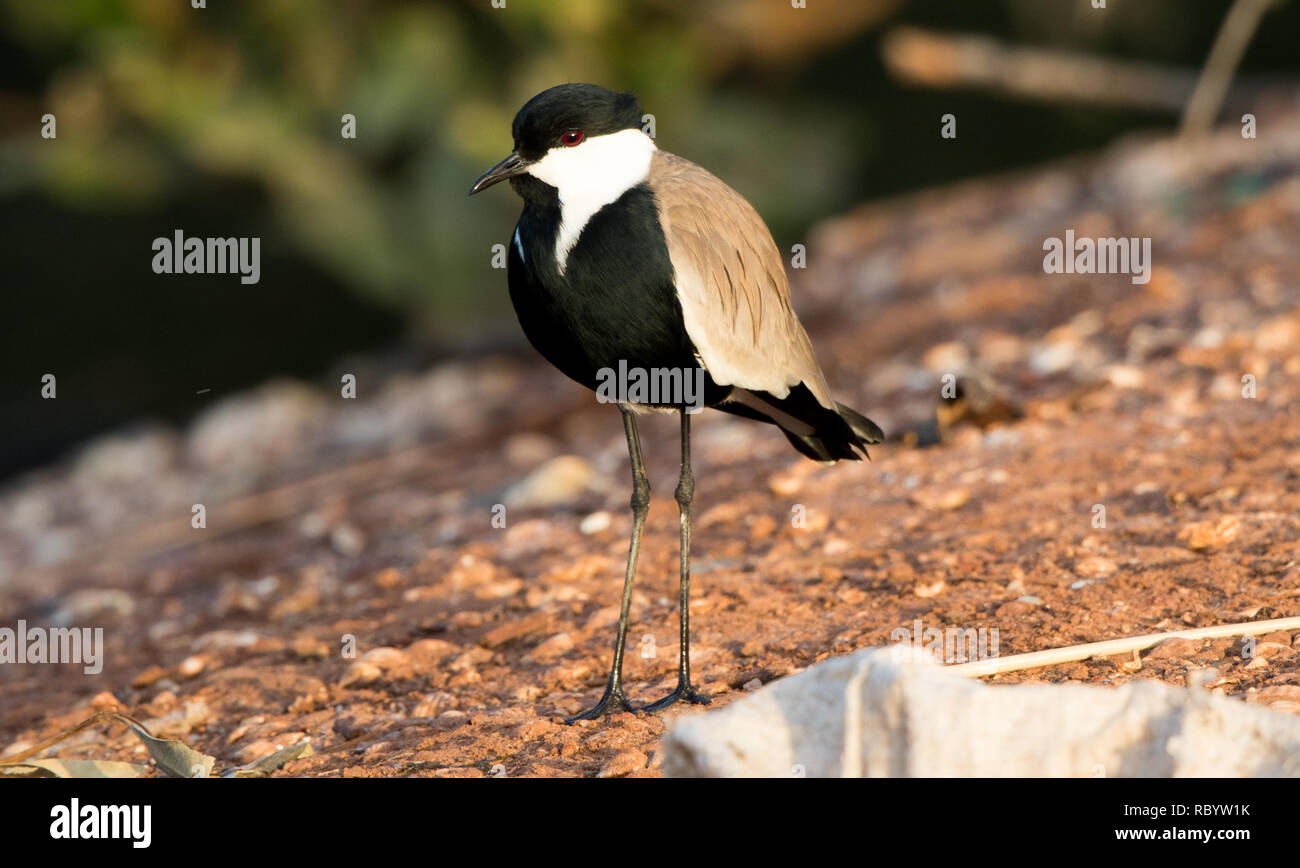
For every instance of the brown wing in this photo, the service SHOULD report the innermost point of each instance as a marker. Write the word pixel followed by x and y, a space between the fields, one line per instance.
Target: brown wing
pixel 732 285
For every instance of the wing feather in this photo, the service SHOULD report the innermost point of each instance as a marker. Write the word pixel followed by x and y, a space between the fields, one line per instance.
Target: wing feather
pixel 731 282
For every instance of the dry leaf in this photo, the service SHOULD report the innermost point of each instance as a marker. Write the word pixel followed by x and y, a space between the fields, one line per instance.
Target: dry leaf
pixel 73 768
pixel 260 768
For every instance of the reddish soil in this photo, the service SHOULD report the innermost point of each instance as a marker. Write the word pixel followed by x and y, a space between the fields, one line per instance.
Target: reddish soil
pixel 373 518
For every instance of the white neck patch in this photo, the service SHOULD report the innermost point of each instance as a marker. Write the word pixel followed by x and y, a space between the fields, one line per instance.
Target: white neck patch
pixel 591 175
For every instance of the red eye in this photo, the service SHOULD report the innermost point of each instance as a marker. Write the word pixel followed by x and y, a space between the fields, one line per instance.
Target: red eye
pixel 571 138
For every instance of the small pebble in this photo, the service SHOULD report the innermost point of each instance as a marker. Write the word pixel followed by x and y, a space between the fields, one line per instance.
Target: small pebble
pixel 624 763
pixel 1210 534
pixel 104 700
pixel 360 673
pixel 596 522
pixel 1175 648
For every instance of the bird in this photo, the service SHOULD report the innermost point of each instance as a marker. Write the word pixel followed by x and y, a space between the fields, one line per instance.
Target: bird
pixel 628 254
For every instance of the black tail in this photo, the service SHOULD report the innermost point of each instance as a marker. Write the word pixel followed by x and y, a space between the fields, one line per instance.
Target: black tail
pixel 816 431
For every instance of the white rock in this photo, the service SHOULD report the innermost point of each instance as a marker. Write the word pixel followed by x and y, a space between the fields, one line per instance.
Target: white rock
pixel 869 716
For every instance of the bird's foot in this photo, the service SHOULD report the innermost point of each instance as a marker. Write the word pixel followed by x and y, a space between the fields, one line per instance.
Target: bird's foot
pixel 685 692
pixel 612 702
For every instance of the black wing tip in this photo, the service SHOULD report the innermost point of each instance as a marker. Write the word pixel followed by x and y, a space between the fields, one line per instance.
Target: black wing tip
pixel 827 450
pixel 864 428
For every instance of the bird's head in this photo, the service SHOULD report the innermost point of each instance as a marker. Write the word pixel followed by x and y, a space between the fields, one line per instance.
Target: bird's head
pixel 580 139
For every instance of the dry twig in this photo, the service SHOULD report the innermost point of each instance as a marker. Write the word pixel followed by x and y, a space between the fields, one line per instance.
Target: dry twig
pixel 1111 647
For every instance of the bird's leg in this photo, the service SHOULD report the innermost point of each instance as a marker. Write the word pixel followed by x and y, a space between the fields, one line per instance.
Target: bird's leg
pixel 685 494
pixel 614 700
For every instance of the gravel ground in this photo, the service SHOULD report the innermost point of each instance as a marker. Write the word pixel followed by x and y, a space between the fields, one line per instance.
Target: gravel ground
pixel 1104 473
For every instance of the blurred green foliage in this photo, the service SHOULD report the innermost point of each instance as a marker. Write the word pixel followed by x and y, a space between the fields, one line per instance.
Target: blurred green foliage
pixel 155 98
pixel 152 96
pixel 226 120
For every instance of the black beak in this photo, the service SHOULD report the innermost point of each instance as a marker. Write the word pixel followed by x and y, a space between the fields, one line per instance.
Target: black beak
pixel 507 168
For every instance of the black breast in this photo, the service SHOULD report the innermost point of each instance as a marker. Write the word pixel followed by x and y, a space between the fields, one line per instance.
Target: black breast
pixel 615 300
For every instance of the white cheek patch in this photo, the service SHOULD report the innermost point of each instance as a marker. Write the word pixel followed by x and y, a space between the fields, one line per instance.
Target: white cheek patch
pixel 591 175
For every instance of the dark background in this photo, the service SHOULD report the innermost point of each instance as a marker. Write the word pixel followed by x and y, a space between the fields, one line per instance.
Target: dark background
pixel 225 122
